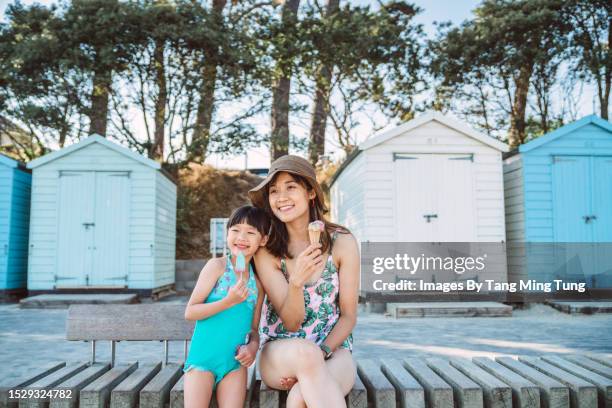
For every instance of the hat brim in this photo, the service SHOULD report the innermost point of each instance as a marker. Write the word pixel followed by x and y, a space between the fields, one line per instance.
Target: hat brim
pixel 256 194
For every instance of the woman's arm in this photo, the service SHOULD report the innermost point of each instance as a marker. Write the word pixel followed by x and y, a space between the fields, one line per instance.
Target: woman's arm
pixel 196 309
pixel 287 299
pixel 348 272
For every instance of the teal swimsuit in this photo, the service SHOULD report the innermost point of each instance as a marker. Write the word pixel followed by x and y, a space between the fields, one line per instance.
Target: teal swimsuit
pixel 216 338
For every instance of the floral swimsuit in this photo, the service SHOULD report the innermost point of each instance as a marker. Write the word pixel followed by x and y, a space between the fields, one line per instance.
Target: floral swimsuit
pixel 321 305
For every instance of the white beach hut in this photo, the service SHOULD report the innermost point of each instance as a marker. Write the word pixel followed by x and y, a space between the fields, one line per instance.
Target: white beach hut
pixel 102 217
pixel 432 179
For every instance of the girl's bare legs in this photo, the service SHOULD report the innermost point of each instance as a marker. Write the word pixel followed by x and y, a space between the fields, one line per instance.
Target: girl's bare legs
pixel 341 367
pixel 303 360
pixel 231 390
pixel 198 388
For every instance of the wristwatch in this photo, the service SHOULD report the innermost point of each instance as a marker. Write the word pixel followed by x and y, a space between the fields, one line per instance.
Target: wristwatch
pixel 328 352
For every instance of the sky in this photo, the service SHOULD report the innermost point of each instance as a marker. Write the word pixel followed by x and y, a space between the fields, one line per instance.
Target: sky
pixel 454 11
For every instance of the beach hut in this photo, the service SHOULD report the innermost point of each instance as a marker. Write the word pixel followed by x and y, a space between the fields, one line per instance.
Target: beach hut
pixel 558 191
pixel 103 217
pixel 432 179
pixel 15 183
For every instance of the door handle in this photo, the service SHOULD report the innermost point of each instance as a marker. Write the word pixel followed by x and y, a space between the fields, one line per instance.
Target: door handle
pixel 88 224
pixel 589 218
pixel 428 217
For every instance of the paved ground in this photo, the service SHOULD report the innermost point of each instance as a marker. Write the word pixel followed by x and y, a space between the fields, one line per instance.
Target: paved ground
pixel 31 336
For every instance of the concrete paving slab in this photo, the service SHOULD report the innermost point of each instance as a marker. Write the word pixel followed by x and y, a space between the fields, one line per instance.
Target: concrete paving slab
pixel 62 301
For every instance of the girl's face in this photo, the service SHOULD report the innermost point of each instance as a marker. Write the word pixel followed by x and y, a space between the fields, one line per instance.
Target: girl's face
pixel 288 199
pixel 244 238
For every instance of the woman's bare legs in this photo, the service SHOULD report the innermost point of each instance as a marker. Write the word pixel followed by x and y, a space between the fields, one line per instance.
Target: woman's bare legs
pixel 341 367
pixel 198 388
pixel 231 390
pixel 303 360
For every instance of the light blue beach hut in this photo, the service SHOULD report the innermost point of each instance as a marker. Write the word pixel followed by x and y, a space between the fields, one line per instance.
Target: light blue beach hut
pixel 15 183
pixel 558 197
pixel 103 217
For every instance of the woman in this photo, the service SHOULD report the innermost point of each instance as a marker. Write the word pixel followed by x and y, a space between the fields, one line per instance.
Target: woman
pixel 312 291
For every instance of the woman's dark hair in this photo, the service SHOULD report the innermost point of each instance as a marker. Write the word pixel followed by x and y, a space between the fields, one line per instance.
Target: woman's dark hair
pixel 247 214
pixel 278 241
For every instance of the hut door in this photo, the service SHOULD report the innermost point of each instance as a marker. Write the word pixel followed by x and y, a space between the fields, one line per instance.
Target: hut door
pixel 602 199
pixel 75 228
pixel 571 198
pixel 110 255
pixel 435 199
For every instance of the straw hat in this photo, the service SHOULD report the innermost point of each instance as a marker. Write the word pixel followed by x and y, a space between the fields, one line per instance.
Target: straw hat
pixel 290 164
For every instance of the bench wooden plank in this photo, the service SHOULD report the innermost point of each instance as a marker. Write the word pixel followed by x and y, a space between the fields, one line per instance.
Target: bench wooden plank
pixel 358 396
pixel 603 384
pixel 467 393
pixel 553 394
pixel 438 394
pixel 582 393
pixel 97 394
pixel 496 394
pixel 525 394
pixel 50 381
pixel 125 395
pixel 411 393
pixel 591 365
pixel 76 383
pixel 380 391
pixel 128 322
pixel 602 360
pixel 24 381
pixel 157 392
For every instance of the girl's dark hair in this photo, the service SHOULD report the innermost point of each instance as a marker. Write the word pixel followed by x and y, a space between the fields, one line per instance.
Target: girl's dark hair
pixel 278 241
pixel 247 214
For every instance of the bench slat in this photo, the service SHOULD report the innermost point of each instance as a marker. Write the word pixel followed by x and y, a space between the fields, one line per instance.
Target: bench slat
pixel 601 360
pixel 380 390
pixel 157 392
pixel 128 322
pixel 24 381
pixel 553 394
pixel 495 393
pixel 525 394
pixel 412 394
pixel 76 383
pixel 590 365
pixel 52 380
pixel 582 393
pixel 125 395
pixel 438 394
pixel 604 385
pixel 468 394
pixel 97 394
pixel 357 397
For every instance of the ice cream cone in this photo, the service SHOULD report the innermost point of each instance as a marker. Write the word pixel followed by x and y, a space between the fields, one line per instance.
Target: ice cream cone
pixel 315 229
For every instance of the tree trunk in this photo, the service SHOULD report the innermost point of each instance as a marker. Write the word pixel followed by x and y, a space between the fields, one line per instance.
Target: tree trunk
pixel 98 114
pixel 157 150
pixel 201 132
pixel 316 147
pixel 279 138
pixel 605 98
pixel 517 118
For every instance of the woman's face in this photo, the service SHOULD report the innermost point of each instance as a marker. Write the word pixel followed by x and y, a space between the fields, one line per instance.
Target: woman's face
pixel 288 199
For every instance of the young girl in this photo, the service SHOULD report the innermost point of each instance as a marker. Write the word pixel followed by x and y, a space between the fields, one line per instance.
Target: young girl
pixel 227 307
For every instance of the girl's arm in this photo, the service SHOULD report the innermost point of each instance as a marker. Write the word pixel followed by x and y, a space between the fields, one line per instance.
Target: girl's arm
pixel 196 309
pixel 246 355
pixel 348 273
pixel 287 299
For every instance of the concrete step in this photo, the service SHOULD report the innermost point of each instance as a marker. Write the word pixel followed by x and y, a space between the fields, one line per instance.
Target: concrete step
pixel 449 309
pixel 62 301
pixel 575 307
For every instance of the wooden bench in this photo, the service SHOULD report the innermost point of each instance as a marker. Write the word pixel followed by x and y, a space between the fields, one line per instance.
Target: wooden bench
pixel 549 381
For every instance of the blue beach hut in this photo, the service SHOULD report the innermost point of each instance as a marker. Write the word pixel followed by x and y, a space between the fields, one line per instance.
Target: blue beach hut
pixel 15 183
pixel 558 200
pixel 103 217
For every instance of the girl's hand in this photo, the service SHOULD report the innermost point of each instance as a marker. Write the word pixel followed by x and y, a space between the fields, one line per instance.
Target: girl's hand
pixel 246 354
pixel 306 264
pixel 237 293
pixel 288 382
